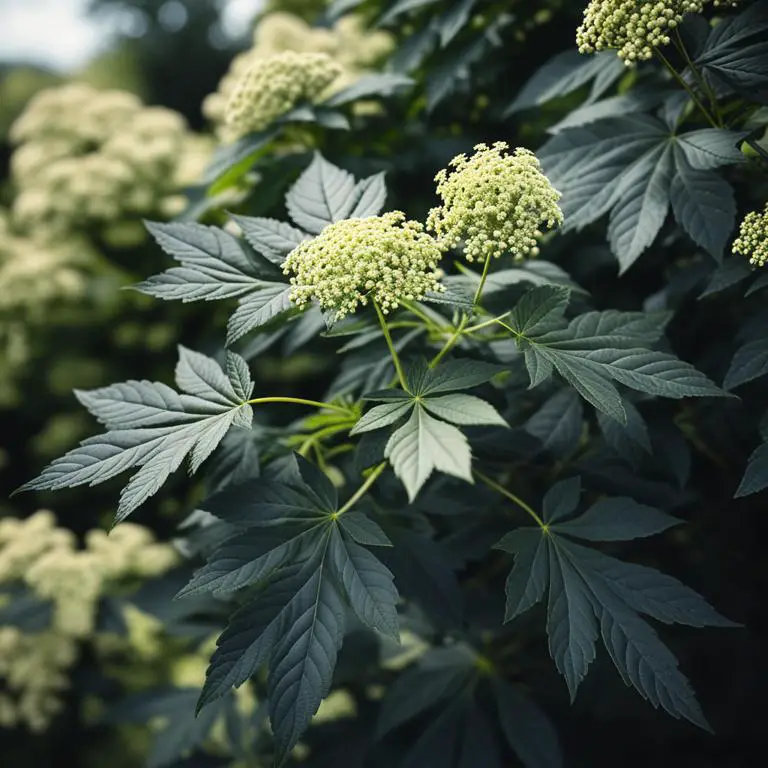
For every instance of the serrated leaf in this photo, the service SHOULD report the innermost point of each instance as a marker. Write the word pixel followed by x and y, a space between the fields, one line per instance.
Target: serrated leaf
pixel 749 363
pixel 417 690
pixel 382 416
pixel 193 425
pixel 259 308
pixel 528 579
pixel 376 84
pixel 424 444
pixel 367 582
pixel 302 663
pixel 539 310
pixel 213 264
pixel 756 474
pixel 563 74
pixel 617 519
pixel 571 624
pixel 643 204
pixel 464 409
pixel 527 729
pixel 273 239
pixel 440 740
pixel 704 206
pixel 558 423
pixel 649 591
pixel 364 530
pixel 263 501
pixel 561 500
pixel 245 645
pixel 248 558
pixel 629 440
pixel 450 376
pixel 371 194
pixel 322 195
pixel 239 374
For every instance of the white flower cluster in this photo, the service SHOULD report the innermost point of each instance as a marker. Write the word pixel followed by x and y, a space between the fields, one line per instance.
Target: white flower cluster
pixel 380 258
pixel 752 241
pixel 633 27
pixel 45 558
pixel 494 203
pixel 86 156
pixel 271 87
pixel 351 47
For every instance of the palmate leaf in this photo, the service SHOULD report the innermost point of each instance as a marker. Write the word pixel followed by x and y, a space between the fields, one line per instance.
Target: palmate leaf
pixel 423 443
pixel 563 74
pixel 153 427
pixel 215 266
pixel 592 594
pixel 597 349
pixel 302 561
pixel 324 194
pixel 445 686
pixel 634 166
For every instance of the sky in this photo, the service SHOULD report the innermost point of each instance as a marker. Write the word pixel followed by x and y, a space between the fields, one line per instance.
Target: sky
pixel 58 33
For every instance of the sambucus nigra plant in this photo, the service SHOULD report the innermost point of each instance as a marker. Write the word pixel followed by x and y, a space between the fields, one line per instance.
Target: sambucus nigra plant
pixel 456 382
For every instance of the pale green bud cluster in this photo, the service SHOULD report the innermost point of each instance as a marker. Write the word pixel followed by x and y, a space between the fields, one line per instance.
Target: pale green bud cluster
pixel 353 48
pixel 273 86
pixel 752 241
pixel 495 203
pixel 46 559
pixel 34 673
pixel 89 157
pixel 632 27
pixel 384 258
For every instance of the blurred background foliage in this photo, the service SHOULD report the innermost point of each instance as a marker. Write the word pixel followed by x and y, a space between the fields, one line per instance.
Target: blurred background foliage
pixel 71 240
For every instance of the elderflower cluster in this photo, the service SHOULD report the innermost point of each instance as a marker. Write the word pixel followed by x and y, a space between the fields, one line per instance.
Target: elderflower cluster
pixel 85 157
pixel 46 559
pixel 273 86
pixel 352 48
pixel 752 241
pixel 34 673
pixel 494 203
pixel 380 258
pixel 633 27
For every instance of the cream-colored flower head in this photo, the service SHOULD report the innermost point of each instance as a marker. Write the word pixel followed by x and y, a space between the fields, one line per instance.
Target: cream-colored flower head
pixel 633 27
pixel 752 241
pixel 271 87
pixel 494 203
pixel 380 258
pixel 354 48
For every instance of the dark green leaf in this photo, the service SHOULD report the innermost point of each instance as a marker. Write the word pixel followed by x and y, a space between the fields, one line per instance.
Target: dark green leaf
pixel 381 84
pixel 382 416
pixel 273 239
pixel 528 580
pixel 527 729
pixel 617 519
pixel 558 423
pixel 756 475
pixel 367 583
pixel 539 310
pixel 561 500
pixel 750 362
pixel 364 530
pixel 258 308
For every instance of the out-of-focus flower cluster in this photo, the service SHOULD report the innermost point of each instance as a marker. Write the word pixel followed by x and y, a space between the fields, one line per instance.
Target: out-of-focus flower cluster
pixel 87 157
pixel 494 203
pixel 353 50
pixel 381 258
pixel 633 27
pixel 273 86
pixel 752 241
pixel 45 558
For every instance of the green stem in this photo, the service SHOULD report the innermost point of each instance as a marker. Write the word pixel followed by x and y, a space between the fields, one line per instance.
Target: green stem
pixel 678 41
pixel 511 496
pixel 363 489
pixel 392 350
pixel 299 401
pixel 485 324
pixel 704 111
pixel 414 310
pixel 448 346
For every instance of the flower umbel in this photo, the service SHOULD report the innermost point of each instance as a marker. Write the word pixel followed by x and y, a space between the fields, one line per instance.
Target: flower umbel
pixel 381 258
pixel 495 202
pixel 633 27
pixel 752 241
pixel 271 87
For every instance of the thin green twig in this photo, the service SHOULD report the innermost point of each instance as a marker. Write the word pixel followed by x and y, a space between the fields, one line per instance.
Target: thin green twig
pixel 511 496
pixel 363 489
